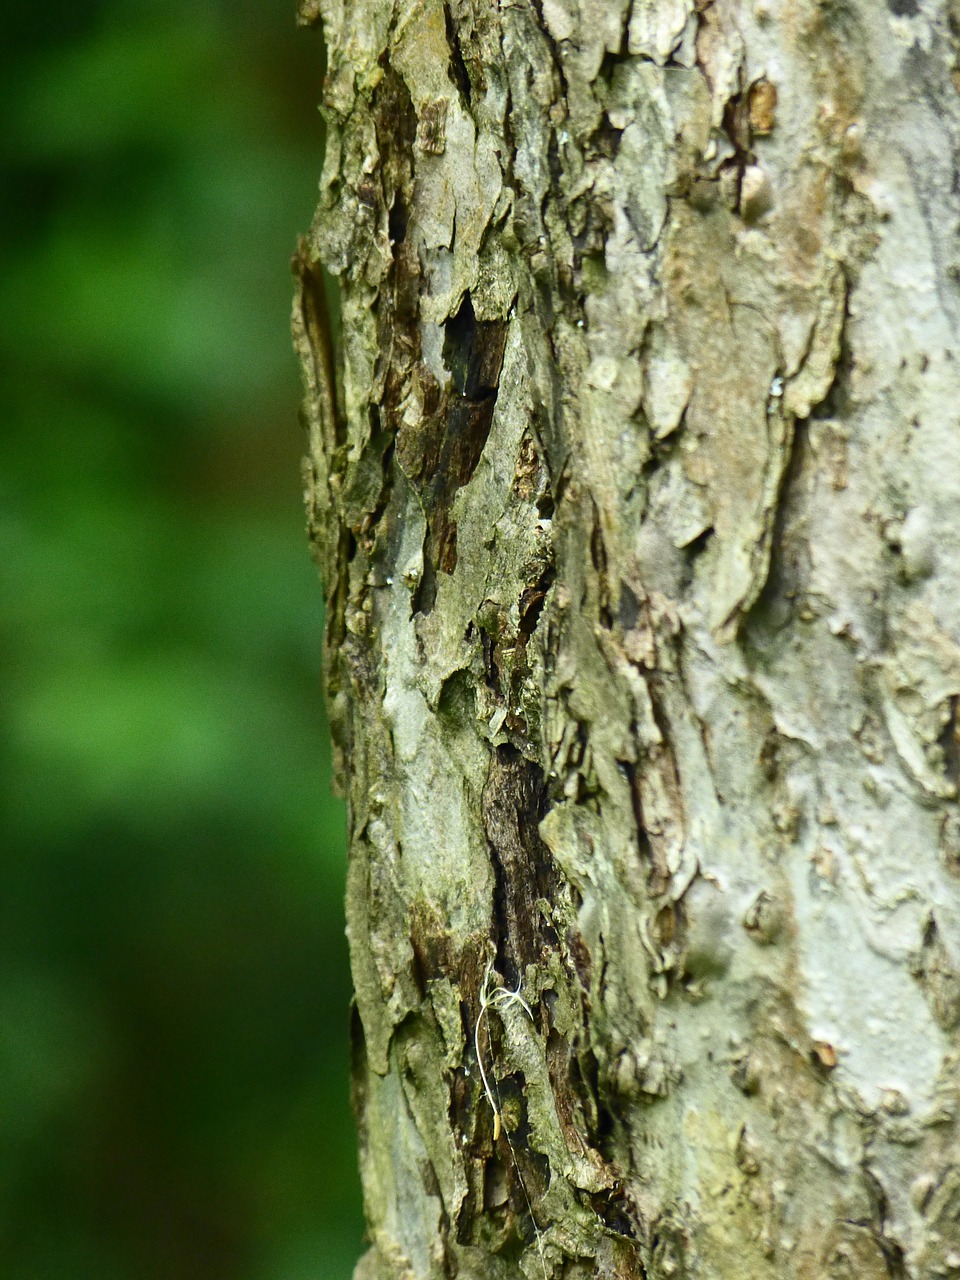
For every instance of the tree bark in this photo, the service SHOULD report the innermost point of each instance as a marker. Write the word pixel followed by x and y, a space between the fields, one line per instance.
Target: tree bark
pixel 635 488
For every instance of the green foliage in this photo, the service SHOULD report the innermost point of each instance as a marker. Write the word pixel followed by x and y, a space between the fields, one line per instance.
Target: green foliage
pixel 173 979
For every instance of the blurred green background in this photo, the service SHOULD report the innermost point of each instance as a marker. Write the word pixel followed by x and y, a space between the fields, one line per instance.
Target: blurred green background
pixel 173 975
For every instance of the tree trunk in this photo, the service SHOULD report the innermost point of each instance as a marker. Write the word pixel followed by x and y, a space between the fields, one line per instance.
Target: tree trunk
pixel 638 506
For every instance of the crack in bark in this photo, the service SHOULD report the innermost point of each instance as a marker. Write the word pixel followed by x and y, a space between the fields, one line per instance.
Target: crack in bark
pixel 514 802
pixel 442 454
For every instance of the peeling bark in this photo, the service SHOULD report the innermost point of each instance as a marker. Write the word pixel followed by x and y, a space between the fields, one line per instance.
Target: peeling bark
pixel 635 491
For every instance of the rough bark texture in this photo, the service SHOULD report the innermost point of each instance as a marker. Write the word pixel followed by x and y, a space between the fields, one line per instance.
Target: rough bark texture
pixel 638 505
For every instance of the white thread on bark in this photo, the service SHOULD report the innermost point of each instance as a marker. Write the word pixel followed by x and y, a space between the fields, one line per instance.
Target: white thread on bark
pixel 501 998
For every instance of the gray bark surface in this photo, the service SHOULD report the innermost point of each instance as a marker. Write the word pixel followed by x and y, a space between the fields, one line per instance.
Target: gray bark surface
pixel 636 492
